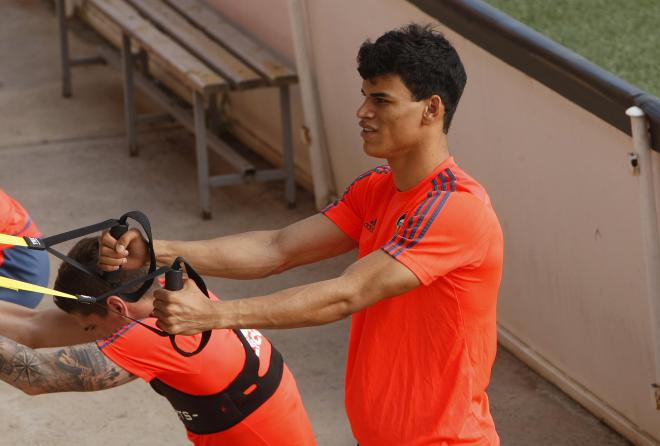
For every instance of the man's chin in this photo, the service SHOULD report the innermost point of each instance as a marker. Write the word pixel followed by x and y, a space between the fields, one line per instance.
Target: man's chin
pixel 372 151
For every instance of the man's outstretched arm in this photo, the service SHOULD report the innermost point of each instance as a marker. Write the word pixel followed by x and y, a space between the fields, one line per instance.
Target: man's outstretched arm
pixel 41 328
pixel 248 255
pixel 71 369
pixel 374 277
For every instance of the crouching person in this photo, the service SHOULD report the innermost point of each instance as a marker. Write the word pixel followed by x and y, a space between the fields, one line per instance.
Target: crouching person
pixel 236 391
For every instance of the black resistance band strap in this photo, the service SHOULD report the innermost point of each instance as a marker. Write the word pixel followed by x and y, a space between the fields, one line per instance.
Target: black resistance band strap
pixel 140 218
pixel 48 242
pixel 192 274
pixel 175 268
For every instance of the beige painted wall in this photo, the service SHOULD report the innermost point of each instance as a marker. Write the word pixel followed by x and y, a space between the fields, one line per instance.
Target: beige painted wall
pixel 573 289
pixel 256 113
pixel 574 286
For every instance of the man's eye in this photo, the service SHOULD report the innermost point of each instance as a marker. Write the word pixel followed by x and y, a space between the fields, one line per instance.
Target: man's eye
pixel 381 100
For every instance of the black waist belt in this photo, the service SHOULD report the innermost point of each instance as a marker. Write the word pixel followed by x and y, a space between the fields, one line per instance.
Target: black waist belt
pixel 208 414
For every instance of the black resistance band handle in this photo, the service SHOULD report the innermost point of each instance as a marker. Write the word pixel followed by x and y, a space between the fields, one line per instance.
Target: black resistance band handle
pixel 174 282
pixel 116 231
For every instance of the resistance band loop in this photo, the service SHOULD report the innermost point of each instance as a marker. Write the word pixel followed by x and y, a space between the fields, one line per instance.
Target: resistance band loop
pixel 173 282
pixel 47 243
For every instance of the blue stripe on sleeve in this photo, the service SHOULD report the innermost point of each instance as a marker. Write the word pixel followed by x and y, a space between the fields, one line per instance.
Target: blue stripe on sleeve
pixel 113 337
pixel 430 221
pixel 452 186
pixel 410 232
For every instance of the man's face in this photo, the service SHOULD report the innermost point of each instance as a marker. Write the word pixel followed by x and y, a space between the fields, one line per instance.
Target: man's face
pixel 390 118
pixel 104 326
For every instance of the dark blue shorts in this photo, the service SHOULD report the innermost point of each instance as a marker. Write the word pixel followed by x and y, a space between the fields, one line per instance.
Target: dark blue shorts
pixel 27 265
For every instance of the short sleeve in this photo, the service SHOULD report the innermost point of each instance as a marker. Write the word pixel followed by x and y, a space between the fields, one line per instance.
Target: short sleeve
pixel 145 354
pixel 348 212
pixel 447 231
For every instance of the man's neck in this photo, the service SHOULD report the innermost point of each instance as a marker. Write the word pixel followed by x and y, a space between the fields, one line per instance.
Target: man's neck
pixel 408 170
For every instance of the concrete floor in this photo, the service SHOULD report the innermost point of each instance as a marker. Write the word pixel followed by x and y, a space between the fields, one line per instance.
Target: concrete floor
pixel 65 160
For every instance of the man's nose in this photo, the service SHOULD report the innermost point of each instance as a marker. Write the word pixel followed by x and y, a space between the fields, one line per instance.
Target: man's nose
pixel 364 111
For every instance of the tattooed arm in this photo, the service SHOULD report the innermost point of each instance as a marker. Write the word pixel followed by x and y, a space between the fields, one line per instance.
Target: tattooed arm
pixel 71 369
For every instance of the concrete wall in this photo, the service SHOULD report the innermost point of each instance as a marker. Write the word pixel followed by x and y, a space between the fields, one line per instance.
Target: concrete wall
pixel 573 290
pixel 574 287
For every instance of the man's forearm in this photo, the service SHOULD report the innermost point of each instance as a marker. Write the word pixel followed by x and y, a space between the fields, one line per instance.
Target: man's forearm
pixel 189 312
pixel 242 256
pixel 257 254
pixel 307 305
pixel 40 328
pixel 21 367
pixel 78 368
pixel 16 323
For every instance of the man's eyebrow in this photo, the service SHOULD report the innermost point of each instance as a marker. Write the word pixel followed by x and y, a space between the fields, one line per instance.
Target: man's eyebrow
pixel 377 94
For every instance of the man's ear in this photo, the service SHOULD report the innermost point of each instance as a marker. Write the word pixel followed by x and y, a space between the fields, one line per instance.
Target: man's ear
pixel 434 110
pixel 117 304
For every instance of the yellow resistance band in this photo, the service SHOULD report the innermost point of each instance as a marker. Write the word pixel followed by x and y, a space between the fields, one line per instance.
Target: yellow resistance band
pixel 17 285
pixel 12 240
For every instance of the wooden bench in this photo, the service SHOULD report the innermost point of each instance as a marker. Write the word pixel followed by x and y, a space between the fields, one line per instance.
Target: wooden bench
pixel 184 48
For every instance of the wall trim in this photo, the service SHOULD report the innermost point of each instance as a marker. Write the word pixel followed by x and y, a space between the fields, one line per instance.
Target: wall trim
pixel 572 388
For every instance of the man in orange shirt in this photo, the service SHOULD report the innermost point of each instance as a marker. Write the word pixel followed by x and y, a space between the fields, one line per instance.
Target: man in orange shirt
pixel 423 291
pixel 27 265
pixel 236 391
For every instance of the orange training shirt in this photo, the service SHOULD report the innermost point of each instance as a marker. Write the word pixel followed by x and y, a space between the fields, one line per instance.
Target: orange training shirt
pixel 419 363
pixel 281 420
pixel 14 220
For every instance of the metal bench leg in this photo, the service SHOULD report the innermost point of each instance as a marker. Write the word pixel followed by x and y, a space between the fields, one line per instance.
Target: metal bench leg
pixel 64 47
pixel 213 115
pixel 143 57
pixel 202 155
pixel 287 146
pixel 129 95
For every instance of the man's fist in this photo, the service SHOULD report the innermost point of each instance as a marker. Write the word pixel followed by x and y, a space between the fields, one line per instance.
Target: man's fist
pixel 129 251
pixel 187 311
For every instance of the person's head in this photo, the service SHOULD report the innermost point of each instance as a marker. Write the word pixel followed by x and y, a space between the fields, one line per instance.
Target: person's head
pixel 96 318
pixel 413 79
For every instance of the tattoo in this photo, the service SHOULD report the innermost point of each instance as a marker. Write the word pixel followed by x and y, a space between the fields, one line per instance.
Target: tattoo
pixel 76 368
pixel 27 366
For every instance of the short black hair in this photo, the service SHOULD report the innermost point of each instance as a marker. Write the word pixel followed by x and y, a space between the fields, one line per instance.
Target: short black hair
pixel 74 281
pixel 424 59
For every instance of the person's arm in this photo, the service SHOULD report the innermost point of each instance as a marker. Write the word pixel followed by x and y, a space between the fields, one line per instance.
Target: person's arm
pixel 248 255
pixel 71 369
pixel 40 328
pixel 375 277
pixel 463 236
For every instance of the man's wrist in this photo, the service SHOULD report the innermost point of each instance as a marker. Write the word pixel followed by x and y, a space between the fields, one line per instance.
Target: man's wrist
pixel 161 251
pixel 220 316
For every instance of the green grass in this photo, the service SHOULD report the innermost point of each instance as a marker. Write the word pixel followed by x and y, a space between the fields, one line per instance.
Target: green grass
pixel 621 36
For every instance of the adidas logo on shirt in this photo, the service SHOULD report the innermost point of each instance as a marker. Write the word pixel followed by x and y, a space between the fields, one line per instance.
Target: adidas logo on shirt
pixel 370 225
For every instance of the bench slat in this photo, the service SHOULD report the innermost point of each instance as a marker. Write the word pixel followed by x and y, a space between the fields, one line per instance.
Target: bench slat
pixel 187 69
pixel 181 114
pixel 112 33
pixel 261 59
pixel 238 74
